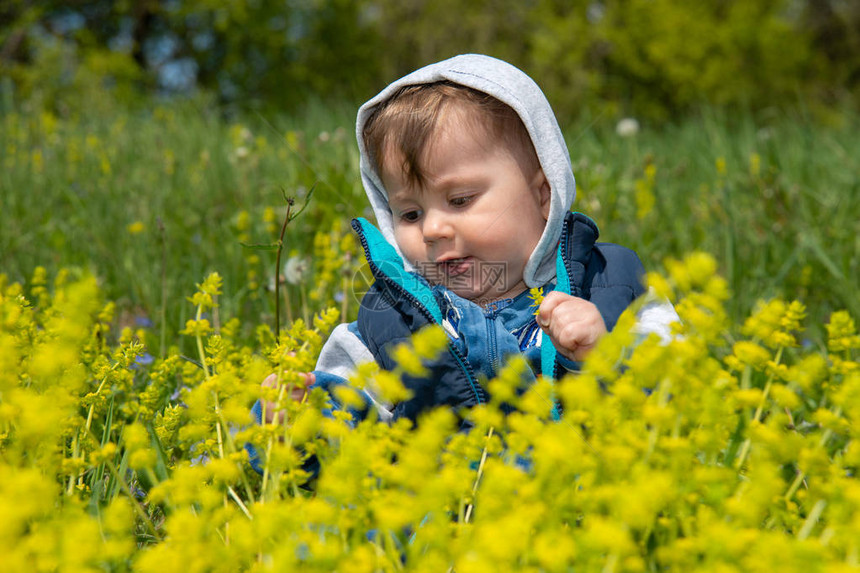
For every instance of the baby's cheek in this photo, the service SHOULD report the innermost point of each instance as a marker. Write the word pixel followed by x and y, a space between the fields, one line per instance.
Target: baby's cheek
pixel 410 246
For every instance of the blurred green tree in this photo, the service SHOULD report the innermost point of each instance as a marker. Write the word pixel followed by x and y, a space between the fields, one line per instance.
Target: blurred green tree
pixel 651 58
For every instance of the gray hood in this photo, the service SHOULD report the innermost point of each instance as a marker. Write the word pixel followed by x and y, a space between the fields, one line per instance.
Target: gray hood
pixel 511 86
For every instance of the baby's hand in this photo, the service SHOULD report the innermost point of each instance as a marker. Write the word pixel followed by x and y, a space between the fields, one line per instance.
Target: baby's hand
pixel 573 324
pixel 296 393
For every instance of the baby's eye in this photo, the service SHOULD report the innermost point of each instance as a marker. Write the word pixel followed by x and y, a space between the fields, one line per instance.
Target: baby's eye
pixel 461 201
pixel 410 216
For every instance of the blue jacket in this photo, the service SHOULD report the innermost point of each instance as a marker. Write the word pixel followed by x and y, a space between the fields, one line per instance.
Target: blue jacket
pixel 399 303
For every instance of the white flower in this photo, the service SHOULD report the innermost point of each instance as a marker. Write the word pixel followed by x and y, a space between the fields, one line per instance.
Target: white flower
pixel 595 12
pixel 295 269
pixel 764 133
pixel 627 127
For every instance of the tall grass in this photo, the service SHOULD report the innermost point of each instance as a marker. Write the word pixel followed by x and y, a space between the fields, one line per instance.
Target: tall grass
pixel 152 200
pixel 773 199
pixel 743 453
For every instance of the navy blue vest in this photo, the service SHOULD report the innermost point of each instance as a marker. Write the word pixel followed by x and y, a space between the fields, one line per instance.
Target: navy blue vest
pixel 399 303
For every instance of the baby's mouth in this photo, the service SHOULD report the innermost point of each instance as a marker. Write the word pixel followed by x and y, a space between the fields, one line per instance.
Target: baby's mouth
pixel 455 267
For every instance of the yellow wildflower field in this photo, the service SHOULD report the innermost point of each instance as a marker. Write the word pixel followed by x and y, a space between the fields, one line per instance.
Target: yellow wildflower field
pixel 730 448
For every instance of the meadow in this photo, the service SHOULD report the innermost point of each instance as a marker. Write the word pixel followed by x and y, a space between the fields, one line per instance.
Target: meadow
pixel 137 317
pixel 152 201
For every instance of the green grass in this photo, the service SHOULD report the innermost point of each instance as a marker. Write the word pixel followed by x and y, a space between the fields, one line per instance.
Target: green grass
pixel 71 187
pixel 789 228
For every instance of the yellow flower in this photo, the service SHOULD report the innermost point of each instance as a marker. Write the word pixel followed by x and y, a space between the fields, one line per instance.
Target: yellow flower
pixel 748 398
pixel 391 389
pixel 196 328
pixel 136 228
pixel 751 354
pixel 270 220
pixel 784 397
pixel 755 164
pixel 537 296
pixel 775 322
pixel 841 332
pixel 644 195
pixel 661 287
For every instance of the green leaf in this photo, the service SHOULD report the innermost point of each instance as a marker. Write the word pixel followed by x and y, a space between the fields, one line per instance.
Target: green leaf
pixel 261 246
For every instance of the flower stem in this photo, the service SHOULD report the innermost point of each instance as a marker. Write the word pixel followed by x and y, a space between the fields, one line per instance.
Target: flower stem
pixel 239 503
pixel 200 345
pixel 138 508
pixel 478 477
pixel 758 412
pixel 77 441
pixel 278 270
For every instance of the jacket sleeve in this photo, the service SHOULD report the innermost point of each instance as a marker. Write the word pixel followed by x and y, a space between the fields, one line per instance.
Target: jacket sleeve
pixel 656 316
pixel 341 355
pixel 613 280
pixel 343 351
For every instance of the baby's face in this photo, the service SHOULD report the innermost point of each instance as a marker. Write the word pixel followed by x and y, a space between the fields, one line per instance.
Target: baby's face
pixel 475 223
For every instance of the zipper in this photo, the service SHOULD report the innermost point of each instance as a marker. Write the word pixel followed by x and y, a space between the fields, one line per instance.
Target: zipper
pixel 379 275
pixel 564 246
pixel 492 345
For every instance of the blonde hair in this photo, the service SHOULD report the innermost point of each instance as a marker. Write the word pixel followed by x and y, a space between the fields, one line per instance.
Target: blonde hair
pixel 406 122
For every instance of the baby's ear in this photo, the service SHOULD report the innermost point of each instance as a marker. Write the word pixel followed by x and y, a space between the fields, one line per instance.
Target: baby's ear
pixel 544 192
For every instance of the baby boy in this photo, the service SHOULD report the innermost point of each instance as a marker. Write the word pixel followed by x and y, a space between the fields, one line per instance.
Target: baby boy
pixel 470 180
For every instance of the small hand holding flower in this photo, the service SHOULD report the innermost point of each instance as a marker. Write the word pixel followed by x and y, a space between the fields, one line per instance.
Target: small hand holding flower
pixel 574 324
pixel 297 394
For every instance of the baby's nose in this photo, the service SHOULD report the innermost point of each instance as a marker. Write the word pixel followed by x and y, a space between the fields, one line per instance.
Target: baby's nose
pixel 436 226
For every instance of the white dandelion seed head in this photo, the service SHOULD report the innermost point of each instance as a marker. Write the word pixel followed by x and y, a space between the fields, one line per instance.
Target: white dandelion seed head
pixel 296 269
pixel 627 127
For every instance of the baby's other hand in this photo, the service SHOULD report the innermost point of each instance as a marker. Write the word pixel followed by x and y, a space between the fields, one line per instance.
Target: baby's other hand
pixel 297 394
pixel 573 324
